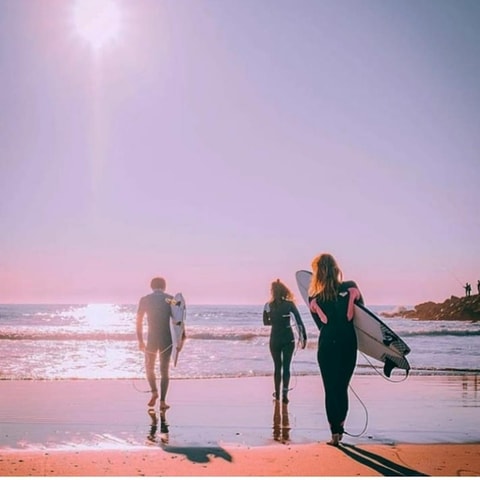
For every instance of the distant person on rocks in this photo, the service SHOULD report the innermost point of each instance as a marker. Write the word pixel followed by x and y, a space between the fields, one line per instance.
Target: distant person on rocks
pixel 282 341
pixel 468 289
pixel 157 307
pixel 478 287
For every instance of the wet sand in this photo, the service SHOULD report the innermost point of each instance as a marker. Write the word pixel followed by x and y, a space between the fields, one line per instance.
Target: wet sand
pixel 424 425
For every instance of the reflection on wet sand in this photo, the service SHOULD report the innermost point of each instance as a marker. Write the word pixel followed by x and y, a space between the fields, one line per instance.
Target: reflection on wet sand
pixel 192 453
pixel 470 388
pixel 152 435
pixel 281 424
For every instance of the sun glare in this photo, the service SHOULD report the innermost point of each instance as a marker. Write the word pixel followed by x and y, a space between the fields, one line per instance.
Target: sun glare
pixel 99 314
pixel 97 22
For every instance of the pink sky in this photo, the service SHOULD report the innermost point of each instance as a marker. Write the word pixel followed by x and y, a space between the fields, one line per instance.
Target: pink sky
pixel 224 144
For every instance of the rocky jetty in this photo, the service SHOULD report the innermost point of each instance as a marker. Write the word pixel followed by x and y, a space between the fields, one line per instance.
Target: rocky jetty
pixel 454 308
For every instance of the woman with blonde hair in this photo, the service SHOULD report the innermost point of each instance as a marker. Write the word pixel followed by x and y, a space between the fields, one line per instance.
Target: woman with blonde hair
pixel 331 302
pixel 282 341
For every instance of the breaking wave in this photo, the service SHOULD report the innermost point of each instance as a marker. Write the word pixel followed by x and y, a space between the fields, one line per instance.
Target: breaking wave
pixel 125 337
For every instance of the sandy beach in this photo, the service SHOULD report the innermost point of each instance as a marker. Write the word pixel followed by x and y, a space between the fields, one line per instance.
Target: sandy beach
pixel 422 426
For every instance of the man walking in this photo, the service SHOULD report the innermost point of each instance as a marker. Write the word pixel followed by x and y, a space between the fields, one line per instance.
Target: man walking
pixel 157 307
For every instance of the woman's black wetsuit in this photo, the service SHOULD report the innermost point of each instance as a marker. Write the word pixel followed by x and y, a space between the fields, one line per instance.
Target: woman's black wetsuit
pixel 282 341
pixel 337 349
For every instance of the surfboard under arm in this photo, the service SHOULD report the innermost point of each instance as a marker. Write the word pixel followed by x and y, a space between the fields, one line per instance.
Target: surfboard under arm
pixel 374 337
pixel 177 325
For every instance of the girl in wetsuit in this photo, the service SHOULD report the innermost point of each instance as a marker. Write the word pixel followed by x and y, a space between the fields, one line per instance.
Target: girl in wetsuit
pixel 282 342
pixel 331 303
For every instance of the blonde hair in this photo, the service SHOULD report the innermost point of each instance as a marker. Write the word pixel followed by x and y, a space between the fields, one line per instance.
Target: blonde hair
pixel 279 291
pixel 326 277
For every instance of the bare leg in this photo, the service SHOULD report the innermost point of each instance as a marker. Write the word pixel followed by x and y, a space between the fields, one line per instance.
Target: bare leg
pixel 163 406
pixel 150 358
pixel 153 399
pixel 164 377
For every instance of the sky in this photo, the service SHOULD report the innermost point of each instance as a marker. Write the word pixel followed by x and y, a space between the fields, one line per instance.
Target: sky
pixel 222 144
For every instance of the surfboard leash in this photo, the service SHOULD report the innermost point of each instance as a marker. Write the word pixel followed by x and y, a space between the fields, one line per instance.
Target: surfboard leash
pixel 132 381
pixel 360 400
pixel 356 435
pixel 296 329
pixel 381 373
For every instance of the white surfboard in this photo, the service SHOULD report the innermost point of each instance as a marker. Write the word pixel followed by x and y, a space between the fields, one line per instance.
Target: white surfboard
pixel 374 337
pixel 177 325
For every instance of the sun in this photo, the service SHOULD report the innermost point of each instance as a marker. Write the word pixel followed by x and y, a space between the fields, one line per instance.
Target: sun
pixel 97 22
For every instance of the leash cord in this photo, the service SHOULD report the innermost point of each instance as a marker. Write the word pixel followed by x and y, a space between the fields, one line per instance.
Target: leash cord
pixel 366 416
pixel 381 373
pixel 150 352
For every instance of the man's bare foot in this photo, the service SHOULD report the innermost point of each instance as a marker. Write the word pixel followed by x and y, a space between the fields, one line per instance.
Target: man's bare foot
pixel 164 406
pixel 153 400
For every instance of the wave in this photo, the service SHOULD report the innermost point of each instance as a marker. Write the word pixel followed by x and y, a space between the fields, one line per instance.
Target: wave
pixel 67 336
pixel 443 371
pixel 128 337
pixel 227 335
pixel 221 335
pixel 441 333
pixel 363 369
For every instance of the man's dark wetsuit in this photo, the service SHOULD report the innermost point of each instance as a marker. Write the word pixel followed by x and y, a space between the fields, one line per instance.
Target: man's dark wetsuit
pixel 282 341
pixel 159 338
pixel 337 349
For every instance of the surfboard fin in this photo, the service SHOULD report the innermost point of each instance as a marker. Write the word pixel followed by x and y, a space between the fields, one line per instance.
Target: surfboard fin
pixel 388 367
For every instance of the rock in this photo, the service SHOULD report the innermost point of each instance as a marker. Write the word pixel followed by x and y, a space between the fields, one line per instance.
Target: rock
pixel 453 308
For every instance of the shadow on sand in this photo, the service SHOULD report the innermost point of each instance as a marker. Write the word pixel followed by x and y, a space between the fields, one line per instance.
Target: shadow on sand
pixel 199 454
pixel 194 454
pixel 385 467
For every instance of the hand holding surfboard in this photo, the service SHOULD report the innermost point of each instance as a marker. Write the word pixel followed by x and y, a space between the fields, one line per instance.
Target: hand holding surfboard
pixel 374 337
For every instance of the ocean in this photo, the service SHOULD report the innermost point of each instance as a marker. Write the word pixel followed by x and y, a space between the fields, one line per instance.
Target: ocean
pixel 98 341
